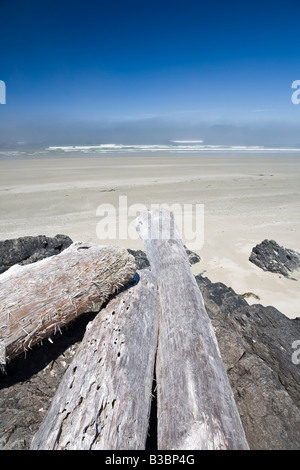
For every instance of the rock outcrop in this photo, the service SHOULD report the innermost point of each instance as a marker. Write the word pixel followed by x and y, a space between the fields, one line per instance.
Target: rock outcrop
pixel 269 256
pixel 26 250
pixel 256 347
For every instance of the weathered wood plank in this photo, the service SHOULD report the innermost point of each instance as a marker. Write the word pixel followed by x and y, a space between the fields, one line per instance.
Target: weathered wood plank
pixel 196 407
pixel 103 400
pixel 38 299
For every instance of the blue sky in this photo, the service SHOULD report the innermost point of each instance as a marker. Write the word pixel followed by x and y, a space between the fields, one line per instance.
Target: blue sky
pixel 98 71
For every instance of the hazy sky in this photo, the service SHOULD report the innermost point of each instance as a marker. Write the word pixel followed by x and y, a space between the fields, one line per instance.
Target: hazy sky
pixel 98 71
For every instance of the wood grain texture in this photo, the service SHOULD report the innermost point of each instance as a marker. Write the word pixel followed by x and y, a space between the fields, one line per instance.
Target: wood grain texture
pixel 196 407
pixel 103 401
pixel 38 299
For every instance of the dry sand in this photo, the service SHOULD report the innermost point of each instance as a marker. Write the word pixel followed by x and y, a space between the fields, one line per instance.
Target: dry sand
pixel 246 199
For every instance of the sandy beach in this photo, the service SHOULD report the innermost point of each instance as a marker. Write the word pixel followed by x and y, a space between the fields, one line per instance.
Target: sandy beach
pixel 246 200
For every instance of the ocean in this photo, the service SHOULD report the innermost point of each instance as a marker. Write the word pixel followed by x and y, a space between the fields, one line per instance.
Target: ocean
pixel 173 147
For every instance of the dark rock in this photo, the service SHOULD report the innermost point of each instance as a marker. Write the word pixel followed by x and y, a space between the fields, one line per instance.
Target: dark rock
pixel 141 259
pixel 269 256
pixel 27 250
pixel 256 347
pixel 193 257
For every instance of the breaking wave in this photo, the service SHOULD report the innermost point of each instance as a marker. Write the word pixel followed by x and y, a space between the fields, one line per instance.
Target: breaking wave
pixel 176 146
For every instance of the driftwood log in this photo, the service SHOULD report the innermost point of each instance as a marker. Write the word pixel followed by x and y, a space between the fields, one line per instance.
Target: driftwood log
pixel 103 400
pixel 195 403
pixel 38 299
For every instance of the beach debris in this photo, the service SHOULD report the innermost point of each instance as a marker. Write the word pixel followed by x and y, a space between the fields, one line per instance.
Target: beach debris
pixel 247 295
pixel 38 299
pixel 103 400
pixel 269 256
pixel 195 404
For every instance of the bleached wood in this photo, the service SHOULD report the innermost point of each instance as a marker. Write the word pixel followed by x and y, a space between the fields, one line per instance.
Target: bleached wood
pixel 103 400
pixel 38 299
pixel 196 407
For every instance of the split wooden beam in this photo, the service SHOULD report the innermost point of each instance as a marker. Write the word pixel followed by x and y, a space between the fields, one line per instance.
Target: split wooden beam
pixel 195 404
pixel 38 299
pixel 103 401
